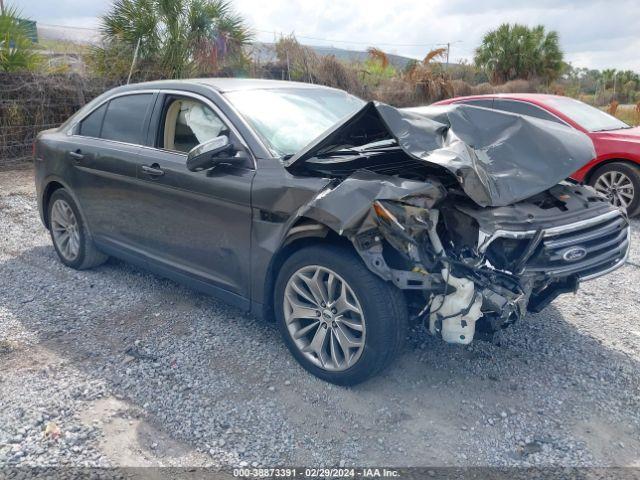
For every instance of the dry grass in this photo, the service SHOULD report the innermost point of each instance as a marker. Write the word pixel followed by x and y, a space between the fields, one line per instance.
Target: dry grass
pixel 378 55
pixel 375 79
pixel 462 88
pixel 629 114
pixel 426 81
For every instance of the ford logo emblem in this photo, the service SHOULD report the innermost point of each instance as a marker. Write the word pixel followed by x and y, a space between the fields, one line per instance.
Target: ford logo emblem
pixel 574 254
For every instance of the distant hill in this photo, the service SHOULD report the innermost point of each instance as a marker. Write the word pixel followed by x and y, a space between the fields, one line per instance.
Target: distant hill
pixel 265 53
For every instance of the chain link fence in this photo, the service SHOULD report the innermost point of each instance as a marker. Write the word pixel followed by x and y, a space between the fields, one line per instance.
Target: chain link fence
pixel 30 103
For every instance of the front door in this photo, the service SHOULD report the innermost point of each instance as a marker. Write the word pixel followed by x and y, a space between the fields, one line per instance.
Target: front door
pixel 193 224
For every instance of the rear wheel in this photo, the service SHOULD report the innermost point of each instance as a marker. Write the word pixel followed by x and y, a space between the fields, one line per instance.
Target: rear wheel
pixel 69 233
pixel 620 183
pixel 341 322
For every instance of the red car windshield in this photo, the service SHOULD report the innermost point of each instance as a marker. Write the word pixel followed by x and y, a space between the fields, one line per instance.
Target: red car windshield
pixel 588 117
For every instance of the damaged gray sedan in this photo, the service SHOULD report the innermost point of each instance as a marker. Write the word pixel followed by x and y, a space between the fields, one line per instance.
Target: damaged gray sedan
pixel 341 220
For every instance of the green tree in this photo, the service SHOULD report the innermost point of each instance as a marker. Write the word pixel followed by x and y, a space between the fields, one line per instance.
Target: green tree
pixel 176 38
pixel 16 48
pixel 607 77
pixel 518 52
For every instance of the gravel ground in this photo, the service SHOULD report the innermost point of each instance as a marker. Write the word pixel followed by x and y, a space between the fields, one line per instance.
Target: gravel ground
pixel 115 366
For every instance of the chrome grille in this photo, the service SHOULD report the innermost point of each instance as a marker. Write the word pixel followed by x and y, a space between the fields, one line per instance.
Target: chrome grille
pixel 588 249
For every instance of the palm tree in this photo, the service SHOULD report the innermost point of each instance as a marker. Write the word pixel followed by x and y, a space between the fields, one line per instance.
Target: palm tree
pixel 517 52
pixel 547 57
pixel 177 38
pixel 16 48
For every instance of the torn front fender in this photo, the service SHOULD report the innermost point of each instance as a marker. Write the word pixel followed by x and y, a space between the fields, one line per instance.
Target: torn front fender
pixel 346 207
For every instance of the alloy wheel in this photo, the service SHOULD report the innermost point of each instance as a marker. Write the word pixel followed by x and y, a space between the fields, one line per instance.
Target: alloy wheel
pixel 324 318
pixel 617 187
pixel 65 230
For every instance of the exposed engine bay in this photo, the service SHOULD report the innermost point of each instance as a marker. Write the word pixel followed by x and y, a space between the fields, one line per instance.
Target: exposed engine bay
pixel 476 232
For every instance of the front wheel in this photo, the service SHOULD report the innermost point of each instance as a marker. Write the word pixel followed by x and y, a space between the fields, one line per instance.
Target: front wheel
pixel 620 183
pixel 340 321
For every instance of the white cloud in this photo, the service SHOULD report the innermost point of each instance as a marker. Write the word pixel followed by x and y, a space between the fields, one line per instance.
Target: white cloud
pixel 593 33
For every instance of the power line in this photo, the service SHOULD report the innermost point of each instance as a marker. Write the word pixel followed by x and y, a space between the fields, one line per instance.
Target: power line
pixel 354 42
pixel 74 27
pixel 307 37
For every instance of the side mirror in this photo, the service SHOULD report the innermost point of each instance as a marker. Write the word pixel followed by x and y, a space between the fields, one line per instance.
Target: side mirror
pixel 206 155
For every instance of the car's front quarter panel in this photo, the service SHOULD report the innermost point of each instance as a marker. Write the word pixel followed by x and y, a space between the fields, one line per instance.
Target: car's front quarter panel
pixel 612 145
pixel 276 203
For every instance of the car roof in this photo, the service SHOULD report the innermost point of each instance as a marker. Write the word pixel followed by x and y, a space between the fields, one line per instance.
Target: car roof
pixel 531 97
pixel 228 84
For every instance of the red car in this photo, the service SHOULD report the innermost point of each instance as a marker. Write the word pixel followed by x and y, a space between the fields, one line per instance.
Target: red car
pixel 615 172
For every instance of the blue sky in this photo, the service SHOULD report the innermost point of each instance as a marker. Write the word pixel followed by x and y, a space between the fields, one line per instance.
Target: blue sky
pixel 595 34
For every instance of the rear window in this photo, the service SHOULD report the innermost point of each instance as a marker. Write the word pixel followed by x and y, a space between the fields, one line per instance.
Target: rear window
pixel 523 108
pixel 125 117
pixel 480 102
pixel 90 126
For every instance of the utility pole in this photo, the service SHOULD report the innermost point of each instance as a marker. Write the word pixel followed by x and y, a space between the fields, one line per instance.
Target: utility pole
pixel 2 6
pixel 288 66
pixel 448 50
pixel 133 62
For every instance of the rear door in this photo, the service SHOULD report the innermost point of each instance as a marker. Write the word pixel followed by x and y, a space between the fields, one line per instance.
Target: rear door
pixel 196 225
pixel 106 154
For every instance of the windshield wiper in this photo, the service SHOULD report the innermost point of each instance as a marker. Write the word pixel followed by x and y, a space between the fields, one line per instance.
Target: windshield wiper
pixel 379 145
pixel 611 129
pixel 338 153
pixel 373 147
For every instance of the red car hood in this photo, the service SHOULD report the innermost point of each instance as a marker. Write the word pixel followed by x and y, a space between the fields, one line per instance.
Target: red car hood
pixel 624 135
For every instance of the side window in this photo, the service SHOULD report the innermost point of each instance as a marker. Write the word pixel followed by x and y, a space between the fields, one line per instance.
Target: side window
pixel 484 102
pixel 125 117
pixel 186 123
pixel 523 108
pixel 91 125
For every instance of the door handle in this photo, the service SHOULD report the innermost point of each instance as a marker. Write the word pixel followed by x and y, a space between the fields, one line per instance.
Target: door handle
pixel 153 170
pixel 77 155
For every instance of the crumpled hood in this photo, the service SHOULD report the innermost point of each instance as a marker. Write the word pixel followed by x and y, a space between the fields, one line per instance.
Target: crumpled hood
pixel 498 158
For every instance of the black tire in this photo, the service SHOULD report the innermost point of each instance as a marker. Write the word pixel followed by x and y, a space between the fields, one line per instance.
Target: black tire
pixel 629 170
pixel 87 256
pixel 383 305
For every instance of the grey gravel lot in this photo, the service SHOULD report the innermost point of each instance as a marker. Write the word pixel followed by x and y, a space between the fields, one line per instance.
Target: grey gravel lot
pixel 115 366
